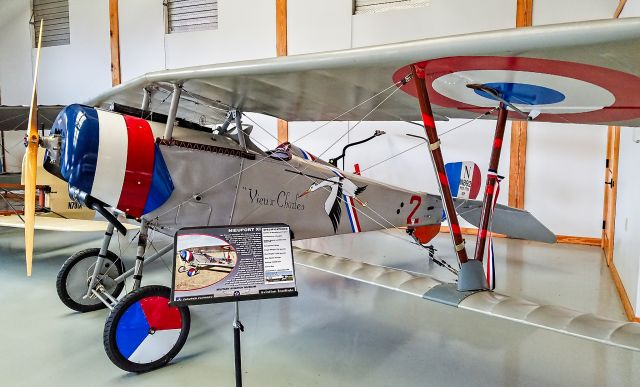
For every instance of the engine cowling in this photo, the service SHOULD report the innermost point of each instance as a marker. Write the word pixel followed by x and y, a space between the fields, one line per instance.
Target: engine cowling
pixel 112 157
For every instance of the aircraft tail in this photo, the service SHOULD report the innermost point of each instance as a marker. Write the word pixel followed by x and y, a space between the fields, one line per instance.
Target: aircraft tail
pixel 509 221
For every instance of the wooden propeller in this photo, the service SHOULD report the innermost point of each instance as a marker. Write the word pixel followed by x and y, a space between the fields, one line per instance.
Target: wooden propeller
pixel 31 161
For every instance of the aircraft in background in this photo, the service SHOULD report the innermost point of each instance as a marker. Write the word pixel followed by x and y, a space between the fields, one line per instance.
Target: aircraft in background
pixel 164 166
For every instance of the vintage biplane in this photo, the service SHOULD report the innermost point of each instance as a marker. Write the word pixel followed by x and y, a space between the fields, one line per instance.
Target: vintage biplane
pixel 194 261
pixel 142 150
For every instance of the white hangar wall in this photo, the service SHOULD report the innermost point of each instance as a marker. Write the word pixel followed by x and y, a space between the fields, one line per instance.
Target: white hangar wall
pixel 246 30
pixel 70 73
pixel 15 41
pixel 626 248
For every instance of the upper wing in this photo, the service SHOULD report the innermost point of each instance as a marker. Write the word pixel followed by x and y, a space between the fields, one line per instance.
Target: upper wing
pixel 578 73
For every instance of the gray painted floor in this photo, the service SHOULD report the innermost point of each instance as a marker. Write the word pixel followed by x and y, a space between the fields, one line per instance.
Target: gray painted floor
pixel 336 333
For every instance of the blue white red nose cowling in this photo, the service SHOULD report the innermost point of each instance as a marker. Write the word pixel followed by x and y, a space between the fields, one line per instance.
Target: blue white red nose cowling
pixel 112 157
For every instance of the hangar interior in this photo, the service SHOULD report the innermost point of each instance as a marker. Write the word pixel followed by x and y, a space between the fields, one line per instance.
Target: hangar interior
pixel 579 180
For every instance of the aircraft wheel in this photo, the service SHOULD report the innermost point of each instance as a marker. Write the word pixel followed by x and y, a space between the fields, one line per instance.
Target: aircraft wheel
pixel 143 332
pixel 75 275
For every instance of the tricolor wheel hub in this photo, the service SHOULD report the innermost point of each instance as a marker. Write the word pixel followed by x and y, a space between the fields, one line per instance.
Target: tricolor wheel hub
pixel 148 330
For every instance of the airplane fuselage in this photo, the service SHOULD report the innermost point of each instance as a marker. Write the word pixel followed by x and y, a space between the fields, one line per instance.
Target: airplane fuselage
pixel 198 179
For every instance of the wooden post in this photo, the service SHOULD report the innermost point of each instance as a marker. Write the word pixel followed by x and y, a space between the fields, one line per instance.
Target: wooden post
pixel 610 192
pixel 518 152
pixel 517 163
pixel 619 9
pixel 281 50
pixel 524 13
pixel 114 31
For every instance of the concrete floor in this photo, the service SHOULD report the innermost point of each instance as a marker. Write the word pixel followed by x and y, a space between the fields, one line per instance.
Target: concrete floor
pixel 338 332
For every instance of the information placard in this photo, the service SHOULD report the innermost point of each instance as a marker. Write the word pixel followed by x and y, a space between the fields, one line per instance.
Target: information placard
pixel 232 263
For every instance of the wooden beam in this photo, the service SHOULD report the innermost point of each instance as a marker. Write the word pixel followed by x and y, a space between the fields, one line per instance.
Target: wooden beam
pixel 578 240
pixel 608 232
pixel 524 13
pixel 281 27
pixel 566 239
pixel 624 297
pixel 610 192
pixel 518 156
pixel 283 131
pixel 282 50
pixel 517 163
pixel 114 32
pixel 619 8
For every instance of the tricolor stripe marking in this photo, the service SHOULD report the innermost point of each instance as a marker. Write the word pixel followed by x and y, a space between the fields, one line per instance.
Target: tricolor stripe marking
pixel 349 205
pixel 139 166
pixel 306 155
pixel 352 213
pixel 464 179
pixel 112 157
pixel 489 263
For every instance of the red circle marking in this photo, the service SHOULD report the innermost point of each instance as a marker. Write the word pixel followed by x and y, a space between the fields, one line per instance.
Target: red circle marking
pixel 622 85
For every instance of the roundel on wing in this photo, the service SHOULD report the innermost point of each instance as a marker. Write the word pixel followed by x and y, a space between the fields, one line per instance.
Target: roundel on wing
pixel 561 91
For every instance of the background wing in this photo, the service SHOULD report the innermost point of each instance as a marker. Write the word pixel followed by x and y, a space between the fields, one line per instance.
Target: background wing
pixel 60 224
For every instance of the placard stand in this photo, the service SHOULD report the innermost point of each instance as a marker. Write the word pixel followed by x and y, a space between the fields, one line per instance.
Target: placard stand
pixel 237 328
pixel 230 264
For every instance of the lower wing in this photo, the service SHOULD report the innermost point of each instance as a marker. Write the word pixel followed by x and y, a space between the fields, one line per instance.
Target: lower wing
pixel 562 320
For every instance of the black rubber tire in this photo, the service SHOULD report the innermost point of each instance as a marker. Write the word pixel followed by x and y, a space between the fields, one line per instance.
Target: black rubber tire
pixel 110 329
pixel 62 285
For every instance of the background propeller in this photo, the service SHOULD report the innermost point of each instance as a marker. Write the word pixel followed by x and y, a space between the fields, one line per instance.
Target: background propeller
pixel 31 161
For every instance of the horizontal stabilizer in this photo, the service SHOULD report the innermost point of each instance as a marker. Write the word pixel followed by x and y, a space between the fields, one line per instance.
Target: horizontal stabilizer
pixel 512 222
pixel 562 320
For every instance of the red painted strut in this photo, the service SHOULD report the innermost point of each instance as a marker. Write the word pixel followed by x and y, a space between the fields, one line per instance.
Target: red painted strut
pixel 492 178
pixel 438 163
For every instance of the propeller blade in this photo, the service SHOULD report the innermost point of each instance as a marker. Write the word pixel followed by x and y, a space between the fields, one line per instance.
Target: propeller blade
pixel 31 160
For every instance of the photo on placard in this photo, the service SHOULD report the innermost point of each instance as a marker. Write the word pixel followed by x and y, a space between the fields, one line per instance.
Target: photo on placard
pixel 278 276
pixel 204 265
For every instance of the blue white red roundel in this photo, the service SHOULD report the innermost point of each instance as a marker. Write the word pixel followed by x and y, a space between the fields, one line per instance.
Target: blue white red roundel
pixel 560 91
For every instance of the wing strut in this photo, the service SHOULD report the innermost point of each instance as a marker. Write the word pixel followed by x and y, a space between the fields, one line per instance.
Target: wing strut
pixel 492 182
pixel 438 163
